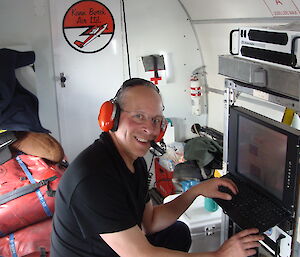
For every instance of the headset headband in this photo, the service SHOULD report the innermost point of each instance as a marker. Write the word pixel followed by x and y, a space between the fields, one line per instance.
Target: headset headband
pixel 135 82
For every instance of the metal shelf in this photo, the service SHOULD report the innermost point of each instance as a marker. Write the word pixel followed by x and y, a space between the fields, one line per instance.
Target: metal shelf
pixel 272 97
pixel 281 85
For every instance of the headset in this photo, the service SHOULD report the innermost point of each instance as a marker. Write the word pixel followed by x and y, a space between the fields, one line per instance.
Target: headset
pixel 109 114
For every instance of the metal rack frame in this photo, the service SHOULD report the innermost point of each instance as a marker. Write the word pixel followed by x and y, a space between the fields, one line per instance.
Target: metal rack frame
pixel 231 67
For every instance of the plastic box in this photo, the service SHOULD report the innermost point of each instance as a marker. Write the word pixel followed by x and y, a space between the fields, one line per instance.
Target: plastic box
pixel 205 226
pixel 163 177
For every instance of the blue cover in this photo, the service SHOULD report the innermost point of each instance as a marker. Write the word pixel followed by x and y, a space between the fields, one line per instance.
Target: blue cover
pixel 18 106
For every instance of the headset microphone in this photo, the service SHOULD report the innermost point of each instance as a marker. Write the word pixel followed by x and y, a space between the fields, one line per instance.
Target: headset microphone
pixel 157 147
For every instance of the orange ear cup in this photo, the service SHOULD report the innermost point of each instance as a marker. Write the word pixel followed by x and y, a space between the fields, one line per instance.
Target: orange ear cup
pixel 106 116
pixel 163 129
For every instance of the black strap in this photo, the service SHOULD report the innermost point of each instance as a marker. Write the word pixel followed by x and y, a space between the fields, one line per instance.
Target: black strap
pixel 24 190
pixel 43 252
pixel 50 192
pixel 278 241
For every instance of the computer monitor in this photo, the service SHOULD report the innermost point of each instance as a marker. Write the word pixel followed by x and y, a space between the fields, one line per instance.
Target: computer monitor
pixel 264 153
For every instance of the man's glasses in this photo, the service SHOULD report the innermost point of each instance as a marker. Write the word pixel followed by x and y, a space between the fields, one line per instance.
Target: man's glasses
pixel 141 117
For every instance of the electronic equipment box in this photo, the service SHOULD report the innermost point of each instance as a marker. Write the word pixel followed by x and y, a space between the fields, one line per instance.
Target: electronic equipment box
pixel 277 45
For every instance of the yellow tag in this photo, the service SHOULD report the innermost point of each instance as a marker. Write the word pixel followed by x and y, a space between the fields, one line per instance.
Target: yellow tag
pixel 2 131
pixel 288 116
pixel 217 174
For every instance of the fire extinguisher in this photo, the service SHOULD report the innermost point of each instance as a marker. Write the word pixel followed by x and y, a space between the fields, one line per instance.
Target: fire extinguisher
pixel 196 92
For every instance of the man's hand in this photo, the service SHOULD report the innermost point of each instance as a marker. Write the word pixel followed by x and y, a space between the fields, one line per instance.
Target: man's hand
pixel 210 188
pixel 241 244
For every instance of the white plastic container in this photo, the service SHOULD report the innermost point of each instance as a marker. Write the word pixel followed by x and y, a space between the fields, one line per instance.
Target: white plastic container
pixel 204 226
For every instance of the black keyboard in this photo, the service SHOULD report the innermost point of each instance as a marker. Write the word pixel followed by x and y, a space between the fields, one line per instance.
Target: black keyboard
pixel 249 209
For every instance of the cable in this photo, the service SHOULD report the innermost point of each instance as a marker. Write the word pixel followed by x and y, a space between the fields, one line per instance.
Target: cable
pixel 277 250
pixel 126 39
pixel 150 174
pixel 151 163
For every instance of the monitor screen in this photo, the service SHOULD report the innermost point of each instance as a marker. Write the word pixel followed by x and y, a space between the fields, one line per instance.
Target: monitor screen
pixel 261 155
pixel 264 153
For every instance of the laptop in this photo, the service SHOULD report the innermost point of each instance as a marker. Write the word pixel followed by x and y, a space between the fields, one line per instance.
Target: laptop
pixel 263 163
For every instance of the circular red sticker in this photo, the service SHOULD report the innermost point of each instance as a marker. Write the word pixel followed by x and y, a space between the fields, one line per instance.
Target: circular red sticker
pixel 88 26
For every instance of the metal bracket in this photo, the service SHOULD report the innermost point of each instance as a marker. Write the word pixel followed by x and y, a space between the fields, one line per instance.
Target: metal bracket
pixel 231 95
pixel 62 79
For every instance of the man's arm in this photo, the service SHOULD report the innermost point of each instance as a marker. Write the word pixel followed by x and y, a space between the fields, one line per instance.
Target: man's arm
pixel 161 216
pixel 133 243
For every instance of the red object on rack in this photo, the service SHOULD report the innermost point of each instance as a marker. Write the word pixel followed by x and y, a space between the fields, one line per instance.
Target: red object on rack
pixel 164 184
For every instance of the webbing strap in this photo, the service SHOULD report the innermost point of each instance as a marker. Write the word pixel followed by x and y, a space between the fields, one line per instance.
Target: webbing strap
pixel 38 191
pixel 12 246
pixel 24 190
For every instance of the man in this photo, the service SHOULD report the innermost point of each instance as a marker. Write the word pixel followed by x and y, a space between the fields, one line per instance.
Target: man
pixel 102 205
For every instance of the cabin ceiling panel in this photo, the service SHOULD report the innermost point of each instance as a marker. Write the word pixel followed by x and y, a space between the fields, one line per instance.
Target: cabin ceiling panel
pixel 216 9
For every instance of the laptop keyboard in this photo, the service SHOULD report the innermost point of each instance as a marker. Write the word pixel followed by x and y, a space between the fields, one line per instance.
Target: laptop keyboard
pixel 249 209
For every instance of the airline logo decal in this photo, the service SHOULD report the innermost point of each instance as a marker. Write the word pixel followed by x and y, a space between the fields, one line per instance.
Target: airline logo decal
pixel 88 26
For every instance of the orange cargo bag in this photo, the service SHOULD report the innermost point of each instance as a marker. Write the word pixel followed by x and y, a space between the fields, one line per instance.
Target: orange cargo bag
pixel 27 187
pixel 30 241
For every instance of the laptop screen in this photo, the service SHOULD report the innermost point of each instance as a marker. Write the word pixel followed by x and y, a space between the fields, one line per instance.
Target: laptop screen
pixel 261 155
